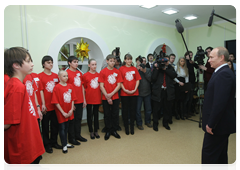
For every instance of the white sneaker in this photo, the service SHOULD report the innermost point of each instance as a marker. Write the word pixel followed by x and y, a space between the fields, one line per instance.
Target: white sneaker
pixel 70 146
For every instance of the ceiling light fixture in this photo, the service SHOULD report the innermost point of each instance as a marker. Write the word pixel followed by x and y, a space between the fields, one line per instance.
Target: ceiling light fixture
pixel 190 17
pixel 170 11
pixel 147 6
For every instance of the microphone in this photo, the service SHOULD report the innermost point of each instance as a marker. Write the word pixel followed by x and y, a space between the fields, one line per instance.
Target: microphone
pixel 179 26
pixel 211 19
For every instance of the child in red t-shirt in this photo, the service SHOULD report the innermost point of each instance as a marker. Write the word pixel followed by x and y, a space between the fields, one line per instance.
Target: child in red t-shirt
pixel 22 138
pixel 49 80
pixel 110 79
pixel 75 78
pixel 63 98
pixel 129 92
pixel 93 97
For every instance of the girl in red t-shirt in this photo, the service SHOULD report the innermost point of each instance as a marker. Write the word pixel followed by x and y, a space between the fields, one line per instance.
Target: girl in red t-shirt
pixel 129 92
pixel 63 97
pixel 93 97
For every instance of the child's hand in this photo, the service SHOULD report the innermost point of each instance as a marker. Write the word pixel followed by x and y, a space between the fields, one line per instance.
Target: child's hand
pixel 84 104
pixel 108 96
pixel 65 115
pixel 70 113
pixel 39 113
pixel 110 101
pixel 44 109
pixel 74 108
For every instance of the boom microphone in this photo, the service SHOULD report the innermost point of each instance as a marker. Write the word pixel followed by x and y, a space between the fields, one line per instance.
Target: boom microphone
pixel 211 19
pixel 179 26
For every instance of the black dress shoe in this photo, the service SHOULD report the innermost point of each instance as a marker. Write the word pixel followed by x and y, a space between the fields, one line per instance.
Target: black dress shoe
pixel 119 128
pixel 49 149
pixel 82 139
pixel 97 136
pixel 74 142
pixel 155 128
pixel 116 135
pixel 57 146
pixel 107 136
pixel 127 131
pixel 132 131
pixel 177 117
pixel 70 146
pixel 92 136
pixel 170 121
pixel 167 127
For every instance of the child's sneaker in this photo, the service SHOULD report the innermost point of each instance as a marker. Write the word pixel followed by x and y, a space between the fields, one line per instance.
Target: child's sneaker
pixel 65 150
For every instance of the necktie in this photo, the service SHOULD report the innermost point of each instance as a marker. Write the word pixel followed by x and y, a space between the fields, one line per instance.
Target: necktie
pixel 164 80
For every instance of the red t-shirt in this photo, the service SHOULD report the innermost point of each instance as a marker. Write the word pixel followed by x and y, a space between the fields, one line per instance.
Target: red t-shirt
pixel 6 78
pixel 92 88
pixel 22 141
pixel 31 88
pixel 63 95
pixel 110 78
pixel 39 88
pixel 48 83
pixel 75 78
pixel 129 75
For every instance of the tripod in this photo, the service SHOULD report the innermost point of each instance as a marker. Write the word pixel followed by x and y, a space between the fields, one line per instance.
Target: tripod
pixel 200 96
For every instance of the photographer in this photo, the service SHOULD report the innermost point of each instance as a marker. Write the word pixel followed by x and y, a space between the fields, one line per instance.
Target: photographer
pixel 144 89
pixel 190 65
pixel 208 70
pixel 163 91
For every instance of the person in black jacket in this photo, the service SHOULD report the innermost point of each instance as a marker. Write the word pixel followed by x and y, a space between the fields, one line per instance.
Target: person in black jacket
pixel 163 93
pixel 218 117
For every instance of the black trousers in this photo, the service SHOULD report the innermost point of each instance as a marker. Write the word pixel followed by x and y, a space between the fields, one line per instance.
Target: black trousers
pixel 111 115
pixel 129 106
pixel 32 166
pixel 74 129
pixel 167 109
pixel 214 150
pixel 51 117
pixel 92 115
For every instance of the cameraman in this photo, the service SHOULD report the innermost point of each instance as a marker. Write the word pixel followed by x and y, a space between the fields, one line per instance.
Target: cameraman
pixel 163 92
pixel 208 70
pixel 144 89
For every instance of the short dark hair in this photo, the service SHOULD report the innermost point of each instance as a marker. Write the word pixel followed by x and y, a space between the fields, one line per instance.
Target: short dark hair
pixel 71 58
pixel 187 53
pixel 149 55
pixel 110 56
pixel 209 48
pixel 172 55
pixel 14 55
pixel 46 58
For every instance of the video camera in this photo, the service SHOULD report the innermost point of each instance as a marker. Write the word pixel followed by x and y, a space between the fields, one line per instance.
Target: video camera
pixel 160 60
pixel 200 55
pixel 117 54
pixel 141 61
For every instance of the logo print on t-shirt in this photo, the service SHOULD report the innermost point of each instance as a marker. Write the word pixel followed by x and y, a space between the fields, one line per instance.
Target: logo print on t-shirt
pixel 111 78
pixel 31 108
pixel 77 81
pixel 49 86
pixel 129 76
pixel 29 87
pixel 94 83
pixel 67 97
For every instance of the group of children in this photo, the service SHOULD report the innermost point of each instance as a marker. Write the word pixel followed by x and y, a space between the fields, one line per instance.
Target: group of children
pixel 57 100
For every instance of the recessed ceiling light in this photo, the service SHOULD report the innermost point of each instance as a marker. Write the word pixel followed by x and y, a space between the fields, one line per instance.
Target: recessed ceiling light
pixel 147 6
pixel 170 11
pixel 190 17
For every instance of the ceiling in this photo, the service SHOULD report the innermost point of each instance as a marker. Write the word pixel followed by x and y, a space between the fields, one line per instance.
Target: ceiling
pixel 155 14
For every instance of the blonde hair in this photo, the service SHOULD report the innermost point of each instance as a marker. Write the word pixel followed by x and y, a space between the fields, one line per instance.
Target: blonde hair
pixel 89 61
pixel 184 67
pixel 61 71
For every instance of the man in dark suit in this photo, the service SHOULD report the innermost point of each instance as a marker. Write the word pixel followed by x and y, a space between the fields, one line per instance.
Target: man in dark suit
pixel 163 93
pixel 150 61
pixel 218 119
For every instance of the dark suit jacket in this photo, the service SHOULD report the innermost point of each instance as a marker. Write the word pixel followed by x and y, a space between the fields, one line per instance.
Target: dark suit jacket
pixel 157 80
pixel 218 107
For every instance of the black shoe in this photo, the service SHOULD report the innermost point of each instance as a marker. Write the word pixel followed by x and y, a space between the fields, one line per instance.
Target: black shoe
pixel 70 146
pixel 167 127
pixel 82 139
pixel 116 135
pixel 74 142
pixel 48 149
pixel 104 130
pixel 107 136
pixel 182 117
pixel 57 146
pixel 119 128
pixel 177 117
pixel 96 135
pixel 64 150
pixel 127 131
pixel 132 131
pixel 92 136
pixel 170 121
pixel 155 128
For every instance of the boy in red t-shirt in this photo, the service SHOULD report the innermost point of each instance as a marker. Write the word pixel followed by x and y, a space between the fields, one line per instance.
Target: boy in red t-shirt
pixel 75 78
pixel 49 80
pixel 22 138
pixel 110 79
pixel 63 98
pixel 93 97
